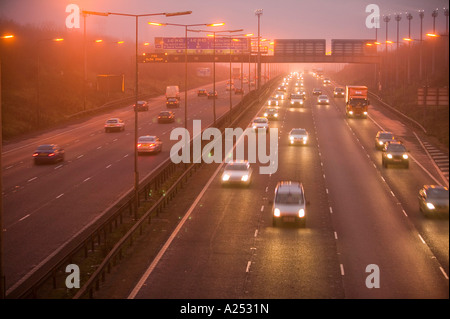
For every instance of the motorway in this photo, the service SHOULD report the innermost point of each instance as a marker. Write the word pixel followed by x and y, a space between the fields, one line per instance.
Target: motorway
pixel 360 217
pixel 47 205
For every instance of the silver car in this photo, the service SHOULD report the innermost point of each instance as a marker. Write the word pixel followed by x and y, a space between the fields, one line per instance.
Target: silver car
pixel 260 123
pixel 237 172
pixel 382 138
pixel 149 144
pixel 298 136
pixel 323 99
pixel 289 203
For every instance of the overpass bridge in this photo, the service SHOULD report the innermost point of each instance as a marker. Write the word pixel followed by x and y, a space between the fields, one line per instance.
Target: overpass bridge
pixel 284 51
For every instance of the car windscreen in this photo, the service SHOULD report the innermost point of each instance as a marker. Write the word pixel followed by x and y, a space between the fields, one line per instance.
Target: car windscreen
pixel 45 148
pixel 112 121
pixel 385 135
pixel 146 140
pixel 396 148
pixel 236 167
pixel 260 121
pixel 164 113
pixel 437 193
pixel 289 198
pixel 358 102
pixel 298 132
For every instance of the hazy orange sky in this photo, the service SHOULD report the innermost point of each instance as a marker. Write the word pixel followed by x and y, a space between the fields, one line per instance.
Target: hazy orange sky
pixel 293 19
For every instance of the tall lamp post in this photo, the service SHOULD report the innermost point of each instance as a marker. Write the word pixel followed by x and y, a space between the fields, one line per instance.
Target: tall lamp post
pixel 409 16
pixel 398 18
pixel 259 13
pixel 137 16
pixel 2 262
pixel 434 14
pixel 186 26
pixel 421 15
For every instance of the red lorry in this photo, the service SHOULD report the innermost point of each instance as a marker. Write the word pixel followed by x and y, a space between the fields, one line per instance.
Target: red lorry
pixel 356 101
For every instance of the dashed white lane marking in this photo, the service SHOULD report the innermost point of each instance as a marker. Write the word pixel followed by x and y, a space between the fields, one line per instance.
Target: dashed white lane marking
pixel 60 195
pixel 342 269
pixel 24 217
pixel 249 263
pixel 32 179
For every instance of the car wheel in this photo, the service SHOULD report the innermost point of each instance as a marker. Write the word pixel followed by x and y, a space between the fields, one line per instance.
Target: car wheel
pixel 274 222
pixel 407 165
pixel 106 130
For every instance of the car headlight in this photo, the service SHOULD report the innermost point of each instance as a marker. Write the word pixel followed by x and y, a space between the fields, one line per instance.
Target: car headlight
pixel 225 177
pixel 301 213
pixel 276 115
pixel 292 102
pixel 254 127
pixel 405 156
pixel 365 113
pixel 389 156
pixel 430 206
pixel 351 112
pixel 291 138
pixel 265 114
pixel 276 212
pixel 244 178
pixel 380 142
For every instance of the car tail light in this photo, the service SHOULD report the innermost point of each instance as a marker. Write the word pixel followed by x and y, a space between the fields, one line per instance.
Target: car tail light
pixel 51 154
pixel 35 154
pixel 139 145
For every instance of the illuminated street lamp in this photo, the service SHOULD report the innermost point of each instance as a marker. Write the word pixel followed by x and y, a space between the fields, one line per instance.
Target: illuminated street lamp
pixel 2 262
pixel 186 26
pixel 137 16
pixel 38 45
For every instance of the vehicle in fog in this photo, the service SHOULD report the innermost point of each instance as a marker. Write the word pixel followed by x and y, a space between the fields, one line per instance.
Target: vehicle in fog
pixel 173 91
pixel 434 199
pixel 339 92
pixel 395 153
pixel 296 99
pixel 356 101
pixel 166 117
pixel 114 124
pixel 382 138
pixel 289 203
pixel 271 113
pixel 149 144
pixel 323 99
pixel 237 172
pixel 172 103
pixel 298 136
pixel 141 106
pixel 202 92
pixel 48 153
pixel 260 123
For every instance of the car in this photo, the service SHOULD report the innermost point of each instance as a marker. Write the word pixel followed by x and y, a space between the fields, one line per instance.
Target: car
pixel 202 92
pixel 141 106
pixel 237 172
pixel 317 91
pixel 230 87
pixel 289 203
pixel 382 138
pixel 172 102
pixel 212 95
pixel 282 88
pixel 166 117
pixel 271 113
pixel 395 153
pixel 280 95
pixel 238 91
pixel 272 101
pixel 48 153
pixel 149 144
pixel 326 81
pixel 298 136
pixel 296 99
pixel 114 124
pixel 323 99
pixel 260 123
pixel 434 199
pixel 338 92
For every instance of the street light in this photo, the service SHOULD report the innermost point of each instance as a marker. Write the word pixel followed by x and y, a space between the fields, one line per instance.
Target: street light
pixel 38 74
pixel 137 16
pixel 185 54
pixel 214 64
pixel 2 274
pixel 259 13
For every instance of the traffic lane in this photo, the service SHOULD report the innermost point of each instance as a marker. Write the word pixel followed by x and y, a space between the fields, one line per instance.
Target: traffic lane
pixel 209 257
pixel 370 225
pixel 292 262
pixel 405 183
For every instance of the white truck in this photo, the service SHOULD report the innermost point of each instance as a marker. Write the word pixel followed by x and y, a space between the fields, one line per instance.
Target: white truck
pixel 172 96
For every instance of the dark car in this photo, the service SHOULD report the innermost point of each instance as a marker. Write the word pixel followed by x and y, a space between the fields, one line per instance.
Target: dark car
pixel 172 102
pixel 166 117
pixel 339 92
pixel 433 199
pixel 202 92
pixel 238 91
pixel 48 153
pixel 382 138
pixel 317 91
pixel 141 106
pixel 395 153
pixel 212 95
